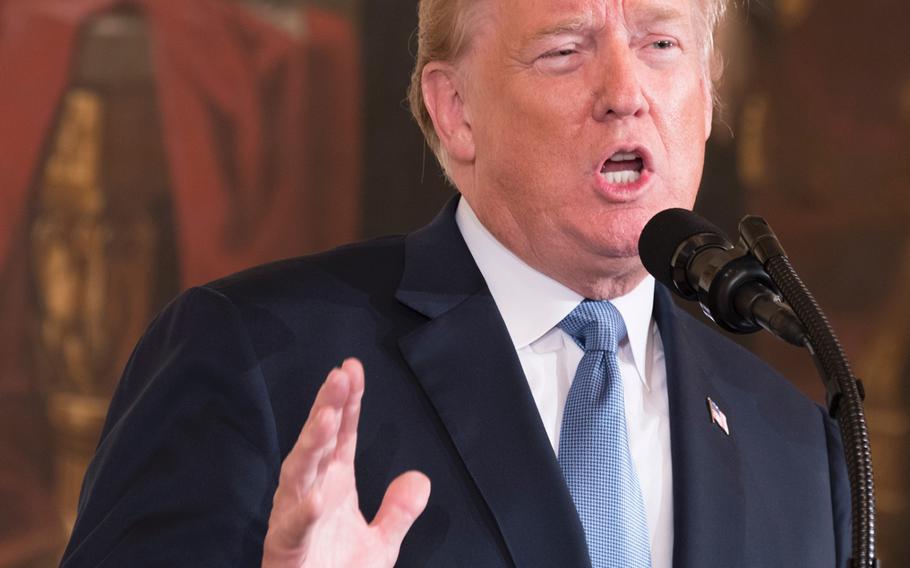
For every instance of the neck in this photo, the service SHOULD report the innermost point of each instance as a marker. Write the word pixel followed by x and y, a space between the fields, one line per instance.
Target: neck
pixel 611 278
pixel 609 288
pixel 591 275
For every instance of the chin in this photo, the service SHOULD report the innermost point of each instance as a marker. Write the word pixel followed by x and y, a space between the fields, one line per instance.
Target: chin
pixel 620 236
pixel 613 248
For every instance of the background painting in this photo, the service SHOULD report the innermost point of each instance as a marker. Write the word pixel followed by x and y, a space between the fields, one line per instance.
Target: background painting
pixel 149 145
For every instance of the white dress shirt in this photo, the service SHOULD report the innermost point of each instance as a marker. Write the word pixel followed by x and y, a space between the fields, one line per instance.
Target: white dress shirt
pixel 532 304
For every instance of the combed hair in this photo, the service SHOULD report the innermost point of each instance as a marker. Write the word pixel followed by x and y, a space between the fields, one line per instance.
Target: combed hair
pixel 443 35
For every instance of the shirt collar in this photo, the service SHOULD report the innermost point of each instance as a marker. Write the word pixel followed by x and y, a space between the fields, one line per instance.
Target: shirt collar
pixel 532 304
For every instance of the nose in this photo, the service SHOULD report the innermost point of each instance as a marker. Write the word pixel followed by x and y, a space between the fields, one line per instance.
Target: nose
pixel 618 90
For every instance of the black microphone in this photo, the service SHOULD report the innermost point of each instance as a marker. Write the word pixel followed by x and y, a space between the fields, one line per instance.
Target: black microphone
pixel 693 257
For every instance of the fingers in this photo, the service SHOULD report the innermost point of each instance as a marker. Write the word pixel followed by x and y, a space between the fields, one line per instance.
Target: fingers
pixel 347 433
pixel 295 506
pixel 296 502
pixel 404 501
pixel 319 435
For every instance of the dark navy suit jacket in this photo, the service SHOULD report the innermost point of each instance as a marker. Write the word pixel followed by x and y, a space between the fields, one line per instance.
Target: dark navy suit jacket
pixel 217 390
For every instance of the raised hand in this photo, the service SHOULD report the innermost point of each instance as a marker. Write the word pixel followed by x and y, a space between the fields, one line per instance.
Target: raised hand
pixel 316 518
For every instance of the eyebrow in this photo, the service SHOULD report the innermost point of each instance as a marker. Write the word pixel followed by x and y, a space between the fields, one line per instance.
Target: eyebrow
pixel 572 25
pixel 659 14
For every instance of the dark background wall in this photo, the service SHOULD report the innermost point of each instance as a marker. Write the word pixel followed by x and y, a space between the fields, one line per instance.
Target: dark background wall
pixel 403 184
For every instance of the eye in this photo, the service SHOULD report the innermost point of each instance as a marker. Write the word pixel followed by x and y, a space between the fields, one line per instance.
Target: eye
pixel 561 52
pixel 560 60
pixel 661 49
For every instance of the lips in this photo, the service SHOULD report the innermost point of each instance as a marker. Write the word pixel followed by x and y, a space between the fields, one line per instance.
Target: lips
pixel 623 167
pixel 625 173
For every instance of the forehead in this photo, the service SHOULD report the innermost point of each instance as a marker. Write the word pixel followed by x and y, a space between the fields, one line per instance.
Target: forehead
pixel 522 16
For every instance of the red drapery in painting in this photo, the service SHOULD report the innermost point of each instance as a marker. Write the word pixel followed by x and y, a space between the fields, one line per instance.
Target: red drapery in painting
pixel 216 66
pixel 254 122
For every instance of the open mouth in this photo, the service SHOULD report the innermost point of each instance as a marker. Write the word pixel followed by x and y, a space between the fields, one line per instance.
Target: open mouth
pixel 622 168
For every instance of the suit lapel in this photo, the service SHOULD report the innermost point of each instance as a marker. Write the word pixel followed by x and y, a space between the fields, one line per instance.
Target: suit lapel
pixel 708 497
pixel 467 366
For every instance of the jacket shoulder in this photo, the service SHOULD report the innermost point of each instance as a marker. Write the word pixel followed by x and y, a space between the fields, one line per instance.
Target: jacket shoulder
pixel 363 268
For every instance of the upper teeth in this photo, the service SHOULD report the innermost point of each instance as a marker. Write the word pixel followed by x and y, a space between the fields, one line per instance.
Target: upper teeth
pixel 623 157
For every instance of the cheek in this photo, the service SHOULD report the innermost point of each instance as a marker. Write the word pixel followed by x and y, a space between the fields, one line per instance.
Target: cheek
pixel 539 115
pixel 683 129
pixel 530 143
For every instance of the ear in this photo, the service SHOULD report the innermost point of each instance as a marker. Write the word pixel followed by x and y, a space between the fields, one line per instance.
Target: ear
pixel 445 102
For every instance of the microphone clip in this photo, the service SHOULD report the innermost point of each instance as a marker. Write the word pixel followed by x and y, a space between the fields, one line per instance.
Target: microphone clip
pixel 732 287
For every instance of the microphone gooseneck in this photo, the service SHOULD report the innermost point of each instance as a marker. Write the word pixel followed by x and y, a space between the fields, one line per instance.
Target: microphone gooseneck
pixel 845 392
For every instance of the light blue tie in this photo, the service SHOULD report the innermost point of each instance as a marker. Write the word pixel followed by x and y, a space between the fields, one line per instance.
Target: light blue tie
pixel 594 445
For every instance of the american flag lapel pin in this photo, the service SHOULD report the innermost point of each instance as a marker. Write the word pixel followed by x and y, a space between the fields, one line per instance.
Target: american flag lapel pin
pixel 717 416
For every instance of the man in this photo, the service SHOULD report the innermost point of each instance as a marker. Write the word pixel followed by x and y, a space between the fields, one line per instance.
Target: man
pixel 565 125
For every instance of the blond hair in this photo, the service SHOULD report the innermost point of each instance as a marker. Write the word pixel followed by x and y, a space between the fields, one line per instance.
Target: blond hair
pixel 442 35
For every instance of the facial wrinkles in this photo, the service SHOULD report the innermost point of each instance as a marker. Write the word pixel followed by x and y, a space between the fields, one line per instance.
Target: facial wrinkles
pixel 691 100
pixel 694 19
pixel 582 19
pixel 539 147
pixel 592 17
pixel 655 13
pixel 541 109
pixel 644 21
pixel 493 63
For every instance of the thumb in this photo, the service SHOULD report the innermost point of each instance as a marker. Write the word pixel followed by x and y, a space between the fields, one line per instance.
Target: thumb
pixel 404 501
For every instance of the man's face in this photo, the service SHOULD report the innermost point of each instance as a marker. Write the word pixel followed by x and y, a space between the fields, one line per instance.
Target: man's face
pixel 587 118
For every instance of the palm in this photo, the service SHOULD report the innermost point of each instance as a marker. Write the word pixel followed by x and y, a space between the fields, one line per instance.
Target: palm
pixel 343 522
pixel 316 518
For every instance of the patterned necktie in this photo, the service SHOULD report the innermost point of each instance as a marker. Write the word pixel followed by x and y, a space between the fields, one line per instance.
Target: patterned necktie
pixel 594 445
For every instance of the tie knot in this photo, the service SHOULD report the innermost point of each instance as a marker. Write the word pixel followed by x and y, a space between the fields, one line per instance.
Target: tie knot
pixel 595 326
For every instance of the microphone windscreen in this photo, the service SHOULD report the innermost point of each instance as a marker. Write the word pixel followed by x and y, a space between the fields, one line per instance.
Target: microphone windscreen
pixel 663 234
